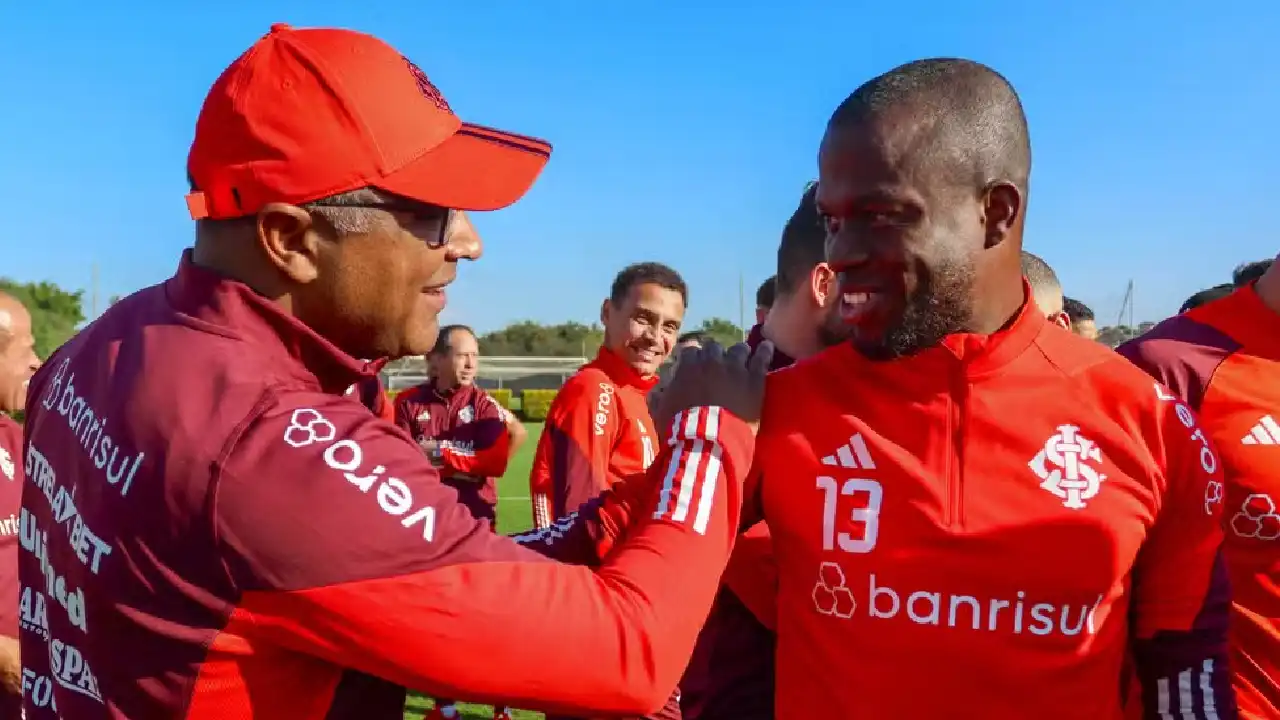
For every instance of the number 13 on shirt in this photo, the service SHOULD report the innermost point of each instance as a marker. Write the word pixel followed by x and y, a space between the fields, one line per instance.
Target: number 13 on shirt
pixel 865 516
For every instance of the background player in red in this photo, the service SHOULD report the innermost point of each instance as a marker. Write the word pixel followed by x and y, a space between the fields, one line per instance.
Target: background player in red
pixel 731 673
pixel 1046 289
pixel 765 295
pixel 1081 318
pixel 17 362
pixel 460 427
pixel 265 547
pixel 1223 359
pixel 598 429
pixel 975 513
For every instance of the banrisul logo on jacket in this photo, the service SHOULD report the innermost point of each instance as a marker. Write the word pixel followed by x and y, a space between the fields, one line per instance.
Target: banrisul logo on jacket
pixel 1067 466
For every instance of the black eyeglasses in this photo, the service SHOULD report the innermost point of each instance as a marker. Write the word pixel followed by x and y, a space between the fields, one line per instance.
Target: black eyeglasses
pixel 422 213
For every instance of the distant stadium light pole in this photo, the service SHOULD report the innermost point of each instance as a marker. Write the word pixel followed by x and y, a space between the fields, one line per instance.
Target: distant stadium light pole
pixel 742 305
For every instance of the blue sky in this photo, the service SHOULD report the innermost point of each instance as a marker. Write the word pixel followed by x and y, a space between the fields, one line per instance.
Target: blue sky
pixel 683 133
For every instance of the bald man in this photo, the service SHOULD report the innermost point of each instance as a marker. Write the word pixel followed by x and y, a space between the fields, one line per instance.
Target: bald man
pixel 17 363
pixel 973 513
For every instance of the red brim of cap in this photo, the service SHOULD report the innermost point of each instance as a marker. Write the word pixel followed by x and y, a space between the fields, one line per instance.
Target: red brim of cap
pixel 478 168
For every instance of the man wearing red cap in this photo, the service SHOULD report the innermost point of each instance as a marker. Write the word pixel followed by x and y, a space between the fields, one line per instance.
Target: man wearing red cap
pixel 267 548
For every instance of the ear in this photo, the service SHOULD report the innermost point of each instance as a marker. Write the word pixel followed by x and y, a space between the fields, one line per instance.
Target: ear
pixel 287 235
pixel 1002 211
pixel 1062 320
pixel 822 284
pixel 606 308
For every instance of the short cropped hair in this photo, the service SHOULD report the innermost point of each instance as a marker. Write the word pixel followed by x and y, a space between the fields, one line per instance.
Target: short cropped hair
pixel 803 243
pixel 766 293
pixel 647 273
pixel 1206 296
pixel 969 114
pixel 1041 276
pixel 346 213
pixel 1076 310
pixel 444 341
pixel 1248 272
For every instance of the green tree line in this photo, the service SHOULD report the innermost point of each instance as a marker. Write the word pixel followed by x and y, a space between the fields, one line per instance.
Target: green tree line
pixel 573 339
pixel 55 313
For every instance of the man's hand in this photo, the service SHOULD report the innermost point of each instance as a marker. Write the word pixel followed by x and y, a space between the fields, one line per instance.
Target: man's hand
pixel 432 450
pixel 709 375
pixel 10 665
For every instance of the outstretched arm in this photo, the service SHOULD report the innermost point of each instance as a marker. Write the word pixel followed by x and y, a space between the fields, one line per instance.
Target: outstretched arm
pixel 395 573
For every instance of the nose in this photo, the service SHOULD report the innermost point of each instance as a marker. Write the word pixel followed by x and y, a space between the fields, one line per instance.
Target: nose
pixel 462 240
pixel 848 250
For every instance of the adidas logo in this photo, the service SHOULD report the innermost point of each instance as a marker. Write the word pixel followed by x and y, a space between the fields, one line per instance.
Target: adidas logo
pixel 853 454
pixel 1266 432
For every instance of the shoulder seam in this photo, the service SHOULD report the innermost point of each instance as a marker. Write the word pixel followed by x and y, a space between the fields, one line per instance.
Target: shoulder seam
pixel 266 399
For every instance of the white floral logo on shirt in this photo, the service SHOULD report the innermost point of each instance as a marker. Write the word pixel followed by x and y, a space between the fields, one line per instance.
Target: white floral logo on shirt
pixel 6 464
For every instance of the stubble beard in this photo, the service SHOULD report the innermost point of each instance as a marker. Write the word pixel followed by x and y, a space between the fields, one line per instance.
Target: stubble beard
pixel 941 306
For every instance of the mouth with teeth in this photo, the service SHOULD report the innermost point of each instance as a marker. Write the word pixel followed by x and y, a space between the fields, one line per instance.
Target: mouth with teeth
pixel 645 358
pixel 858 305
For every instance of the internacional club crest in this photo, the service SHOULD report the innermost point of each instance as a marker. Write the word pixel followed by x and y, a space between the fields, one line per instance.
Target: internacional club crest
pixel 1064 468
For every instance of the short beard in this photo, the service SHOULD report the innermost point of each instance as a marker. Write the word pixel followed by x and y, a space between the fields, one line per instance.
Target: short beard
pixel 940 307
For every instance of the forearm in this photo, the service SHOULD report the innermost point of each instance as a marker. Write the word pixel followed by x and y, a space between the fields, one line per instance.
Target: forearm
pixel 584 537
pixel 487 461
pixel 1182 667
pixel 517 436
pixel 639 613
pixel 1184 673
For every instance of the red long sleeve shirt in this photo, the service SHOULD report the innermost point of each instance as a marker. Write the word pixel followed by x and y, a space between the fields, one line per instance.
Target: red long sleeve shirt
pixel 471 430
pixel 1223 359
pixel 11 481
pixel 11 601
pixel 263 547
pixel 988 528
pixel 598 431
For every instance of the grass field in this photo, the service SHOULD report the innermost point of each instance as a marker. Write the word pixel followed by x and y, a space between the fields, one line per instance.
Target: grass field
pixel 514 515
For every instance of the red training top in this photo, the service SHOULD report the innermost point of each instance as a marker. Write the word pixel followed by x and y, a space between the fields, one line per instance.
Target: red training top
pixel 598 431
pixel 11 479
pixel 472 431
pixel 988 528
pixel 1223 359
pixel 266 548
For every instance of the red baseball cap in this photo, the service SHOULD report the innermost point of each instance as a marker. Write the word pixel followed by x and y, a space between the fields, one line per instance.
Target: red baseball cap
pixel 309 113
